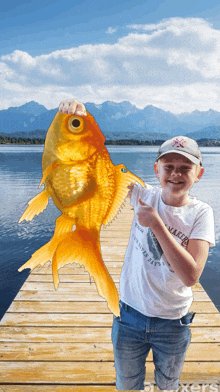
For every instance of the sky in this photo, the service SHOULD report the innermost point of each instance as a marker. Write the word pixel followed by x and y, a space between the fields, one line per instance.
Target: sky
pixel 161 53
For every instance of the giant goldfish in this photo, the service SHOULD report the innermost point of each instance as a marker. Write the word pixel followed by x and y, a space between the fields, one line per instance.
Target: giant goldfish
pixel 88 189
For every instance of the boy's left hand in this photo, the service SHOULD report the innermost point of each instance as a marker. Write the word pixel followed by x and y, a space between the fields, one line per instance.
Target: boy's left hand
pixel 147 215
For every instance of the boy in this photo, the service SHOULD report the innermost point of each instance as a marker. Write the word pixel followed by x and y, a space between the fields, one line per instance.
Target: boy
pixel 166 254
pixel 167 251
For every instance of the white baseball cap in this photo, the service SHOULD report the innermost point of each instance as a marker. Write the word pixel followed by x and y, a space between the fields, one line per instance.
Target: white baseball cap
pixel 182 145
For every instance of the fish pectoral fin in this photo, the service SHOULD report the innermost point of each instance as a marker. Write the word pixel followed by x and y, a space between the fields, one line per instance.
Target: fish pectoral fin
pixel 35 206
pixel 47 172
pixel 122 179
pixel 82 247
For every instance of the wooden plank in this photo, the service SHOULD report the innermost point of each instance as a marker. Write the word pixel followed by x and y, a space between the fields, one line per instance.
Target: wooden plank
pixel 203 307
pixel 86 320
pixel 88 294
pixel 80 278
pixel 64 287
pixel 107 241
pixel 57 372
pixel 54 352
pixel 211 387
pixel 12 351
pixel 81 275
pixel 61 320
pixel 55 334
pixel 84 277
pixel 87 334
pixel 205 334
pixel 95 372
pixel 62 388
pixel 124 226
pixel 75 269
pixel 78 283
pixel 116 256
pixel 58 307
pixel 108 246
pixel 86 307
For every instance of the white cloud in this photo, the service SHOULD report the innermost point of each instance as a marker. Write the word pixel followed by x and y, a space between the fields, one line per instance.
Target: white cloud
pixel 21 58
pixel 174 65
pixel 111 30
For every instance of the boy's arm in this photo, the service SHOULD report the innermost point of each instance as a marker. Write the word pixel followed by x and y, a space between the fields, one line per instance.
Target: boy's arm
pixel 188 264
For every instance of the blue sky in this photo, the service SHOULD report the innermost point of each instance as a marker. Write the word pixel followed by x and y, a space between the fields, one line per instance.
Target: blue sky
pixel 164 53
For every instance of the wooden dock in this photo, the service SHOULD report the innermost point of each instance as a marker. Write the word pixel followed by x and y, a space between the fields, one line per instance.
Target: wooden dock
pixel 60 341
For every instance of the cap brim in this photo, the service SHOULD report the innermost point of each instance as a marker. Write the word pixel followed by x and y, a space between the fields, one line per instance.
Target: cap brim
pixel 193 159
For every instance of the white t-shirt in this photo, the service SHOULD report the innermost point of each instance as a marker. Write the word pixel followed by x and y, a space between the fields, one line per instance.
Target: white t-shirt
pixel 147 281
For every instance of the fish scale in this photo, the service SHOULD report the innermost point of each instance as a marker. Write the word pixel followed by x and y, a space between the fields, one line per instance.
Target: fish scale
pixel 69 183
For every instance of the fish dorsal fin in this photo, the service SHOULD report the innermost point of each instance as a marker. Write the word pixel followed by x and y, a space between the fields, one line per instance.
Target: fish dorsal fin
pixel 123 178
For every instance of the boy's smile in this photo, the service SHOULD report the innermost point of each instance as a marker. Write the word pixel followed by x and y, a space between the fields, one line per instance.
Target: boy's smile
pixel 177 174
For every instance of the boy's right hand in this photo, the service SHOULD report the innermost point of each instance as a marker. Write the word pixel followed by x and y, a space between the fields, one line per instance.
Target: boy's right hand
pixel 130 187
pixel 72 106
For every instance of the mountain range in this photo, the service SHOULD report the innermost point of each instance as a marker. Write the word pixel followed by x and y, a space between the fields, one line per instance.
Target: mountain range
pixel 116 120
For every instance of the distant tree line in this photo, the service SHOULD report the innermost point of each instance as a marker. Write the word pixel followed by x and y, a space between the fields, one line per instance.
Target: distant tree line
pixel 20 140
pixel 129 142
pixel 208 142
pixel 133 142
pixel 124 142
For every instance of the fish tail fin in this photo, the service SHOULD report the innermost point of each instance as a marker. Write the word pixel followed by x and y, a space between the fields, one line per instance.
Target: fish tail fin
pixel 46 252
pixel 82 246
pixel 35 206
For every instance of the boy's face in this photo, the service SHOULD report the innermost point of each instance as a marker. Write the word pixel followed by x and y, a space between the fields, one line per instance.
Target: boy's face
pixel 177 174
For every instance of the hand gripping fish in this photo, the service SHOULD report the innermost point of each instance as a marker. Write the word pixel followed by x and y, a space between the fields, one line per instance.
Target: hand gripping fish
pixel 88 189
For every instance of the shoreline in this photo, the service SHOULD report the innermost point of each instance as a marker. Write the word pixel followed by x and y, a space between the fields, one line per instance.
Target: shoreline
pixel 120 142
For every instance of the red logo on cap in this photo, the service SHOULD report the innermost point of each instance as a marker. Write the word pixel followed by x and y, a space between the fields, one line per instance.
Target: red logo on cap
pixel 178 142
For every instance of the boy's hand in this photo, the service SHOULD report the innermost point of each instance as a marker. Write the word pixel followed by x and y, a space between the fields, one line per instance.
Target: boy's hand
pixel 72 106
pixel 130 187
pixel 147 215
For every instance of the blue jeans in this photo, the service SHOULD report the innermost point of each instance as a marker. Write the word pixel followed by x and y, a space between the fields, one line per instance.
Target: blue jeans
pixel 133 335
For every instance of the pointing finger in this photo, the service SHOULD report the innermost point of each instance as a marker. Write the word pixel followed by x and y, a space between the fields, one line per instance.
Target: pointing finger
pixel 142 203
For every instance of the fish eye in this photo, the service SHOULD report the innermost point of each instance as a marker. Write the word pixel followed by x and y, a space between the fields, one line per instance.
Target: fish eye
pixel 124 170
pixel 76 124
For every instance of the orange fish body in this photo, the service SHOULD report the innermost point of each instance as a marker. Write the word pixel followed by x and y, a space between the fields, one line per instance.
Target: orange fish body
pixel 88 189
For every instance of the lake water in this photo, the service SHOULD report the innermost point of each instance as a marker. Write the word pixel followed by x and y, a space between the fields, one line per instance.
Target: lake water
pixel 20 175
